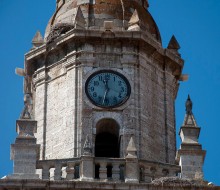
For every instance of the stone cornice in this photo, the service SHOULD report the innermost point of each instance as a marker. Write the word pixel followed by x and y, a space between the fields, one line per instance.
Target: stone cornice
pixel 145 38
pixel 80 185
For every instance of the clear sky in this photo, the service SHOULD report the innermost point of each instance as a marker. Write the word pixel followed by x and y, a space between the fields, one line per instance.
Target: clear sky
pixel 196 25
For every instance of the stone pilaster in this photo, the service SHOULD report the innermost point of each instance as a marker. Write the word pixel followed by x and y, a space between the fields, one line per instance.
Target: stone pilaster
pixel 25 151
pixel 87 162
pixel 132 175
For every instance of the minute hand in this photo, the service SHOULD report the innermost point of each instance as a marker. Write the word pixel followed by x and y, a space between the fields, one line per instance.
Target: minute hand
pixel 106 90
pixel 105 94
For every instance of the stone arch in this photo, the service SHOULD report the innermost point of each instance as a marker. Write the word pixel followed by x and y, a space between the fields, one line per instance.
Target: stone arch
pixel 107 141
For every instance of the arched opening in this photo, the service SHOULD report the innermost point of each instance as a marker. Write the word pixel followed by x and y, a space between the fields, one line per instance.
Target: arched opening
pixel 107 140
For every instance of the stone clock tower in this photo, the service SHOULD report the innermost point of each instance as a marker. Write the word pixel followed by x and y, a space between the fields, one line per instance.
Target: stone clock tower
pixel 103 73
pixel 100 94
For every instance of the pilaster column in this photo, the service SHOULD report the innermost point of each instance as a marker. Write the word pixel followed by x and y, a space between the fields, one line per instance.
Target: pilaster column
pixel 87 162
pixel 132 175
pixel 25 151
pixel 190 156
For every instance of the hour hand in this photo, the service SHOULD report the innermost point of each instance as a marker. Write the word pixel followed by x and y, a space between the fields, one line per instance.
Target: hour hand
pixel 106 84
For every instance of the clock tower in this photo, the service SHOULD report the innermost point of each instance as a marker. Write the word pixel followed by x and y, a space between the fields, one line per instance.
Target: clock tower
pixel 102 72
pixel 100 94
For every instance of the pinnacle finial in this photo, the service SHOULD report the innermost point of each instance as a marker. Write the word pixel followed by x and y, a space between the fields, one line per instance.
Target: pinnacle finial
pixel 189 106
pixel 37 40
pixel 173 44
pixel 131 149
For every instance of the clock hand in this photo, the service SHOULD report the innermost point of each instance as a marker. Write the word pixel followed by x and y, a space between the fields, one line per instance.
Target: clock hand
pixel 106 84
pixel 106 90
pixel 105 94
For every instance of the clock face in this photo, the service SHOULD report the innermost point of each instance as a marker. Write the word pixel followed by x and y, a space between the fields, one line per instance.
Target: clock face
pixel 107 89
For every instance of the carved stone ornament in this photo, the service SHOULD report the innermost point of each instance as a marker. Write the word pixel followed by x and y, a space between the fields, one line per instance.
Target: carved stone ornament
pixel 27 110
pixel 57 30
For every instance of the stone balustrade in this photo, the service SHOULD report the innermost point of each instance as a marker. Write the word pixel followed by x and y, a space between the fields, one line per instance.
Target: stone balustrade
pixel 151 170
pixel 104 169
pixel 109 169
pixel 59 169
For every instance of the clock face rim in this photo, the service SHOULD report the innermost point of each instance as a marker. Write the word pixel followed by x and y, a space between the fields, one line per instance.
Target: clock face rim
pixel 116 73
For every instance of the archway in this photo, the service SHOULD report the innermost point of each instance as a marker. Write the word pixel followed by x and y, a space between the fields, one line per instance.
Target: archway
pixel 107 140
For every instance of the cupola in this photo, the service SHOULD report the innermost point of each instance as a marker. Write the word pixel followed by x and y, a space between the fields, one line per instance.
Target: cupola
pixel 95 12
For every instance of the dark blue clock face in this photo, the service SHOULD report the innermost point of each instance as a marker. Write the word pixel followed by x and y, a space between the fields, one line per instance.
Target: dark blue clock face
pixel 107 89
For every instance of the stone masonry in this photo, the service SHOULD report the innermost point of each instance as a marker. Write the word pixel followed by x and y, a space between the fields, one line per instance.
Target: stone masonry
pixel 132 47
pixel 64 139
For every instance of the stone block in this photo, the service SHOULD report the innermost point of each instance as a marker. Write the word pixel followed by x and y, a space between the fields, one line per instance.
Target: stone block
pixel 131 171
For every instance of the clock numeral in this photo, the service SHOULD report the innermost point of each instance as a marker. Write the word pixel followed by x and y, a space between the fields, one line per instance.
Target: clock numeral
pixel 100 78
pixel 100 99
pixel 94 94
pixel 122 89
pixel 96 83
pixel 119 83
pixel 107 77
pixel 92 88
pixel 106 101
pixel 120 96
pixel 115 99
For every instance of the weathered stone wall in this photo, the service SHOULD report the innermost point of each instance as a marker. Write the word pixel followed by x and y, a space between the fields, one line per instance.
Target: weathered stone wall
pixel 170 117
pixel 57 112
pixel 65 115
pixel 153 111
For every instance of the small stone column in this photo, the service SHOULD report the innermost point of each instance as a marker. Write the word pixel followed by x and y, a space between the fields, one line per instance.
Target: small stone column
pixel 131 168
pixel 87 162
pixel 25 151
pixel 190 156
pixel 70 170
pixel 103 171
pixel 115 172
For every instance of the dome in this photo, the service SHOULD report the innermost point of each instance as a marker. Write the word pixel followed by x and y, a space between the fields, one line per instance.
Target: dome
pixel 120 12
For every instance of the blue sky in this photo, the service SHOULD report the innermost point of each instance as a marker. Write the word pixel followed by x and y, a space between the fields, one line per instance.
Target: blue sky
pixel 196 25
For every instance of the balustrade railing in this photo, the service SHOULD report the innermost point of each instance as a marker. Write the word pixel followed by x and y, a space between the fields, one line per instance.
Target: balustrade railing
pixel 151 170
pixel 60 169
pixel 104 169
pixel 109 169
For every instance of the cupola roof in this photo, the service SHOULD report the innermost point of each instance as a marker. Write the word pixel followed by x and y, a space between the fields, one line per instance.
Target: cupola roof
pixel 95 12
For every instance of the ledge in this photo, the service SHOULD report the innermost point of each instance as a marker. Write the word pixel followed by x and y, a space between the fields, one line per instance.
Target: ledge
pixel 78 185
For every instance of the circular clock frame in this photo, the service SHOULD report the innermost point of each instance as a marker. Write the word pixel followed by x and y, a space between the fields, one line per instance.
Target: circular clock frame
pixel 106 88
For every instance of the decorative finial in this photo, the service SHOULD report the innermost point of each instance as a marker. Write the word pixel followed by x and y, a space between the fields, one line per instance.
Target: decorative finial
pixel 87 148
pixel 173 44
pixel 37 40
pixel 131 149
pixel 134 22
pixel 189 106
